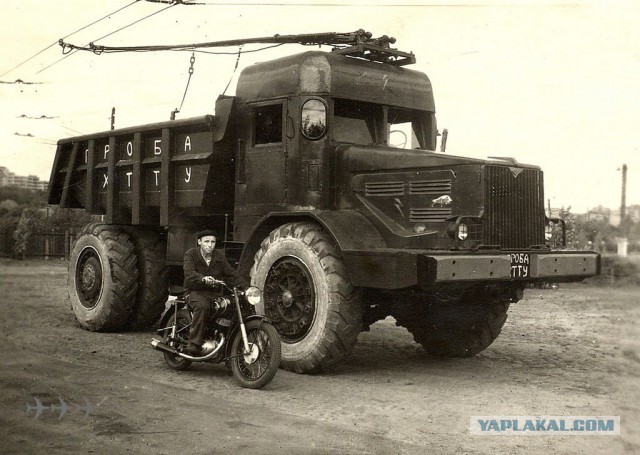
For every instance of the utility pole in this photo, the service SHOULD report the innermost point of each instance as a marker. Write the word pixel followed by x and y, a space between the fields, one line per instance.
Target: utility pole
pixel 623 202
pixel 113 118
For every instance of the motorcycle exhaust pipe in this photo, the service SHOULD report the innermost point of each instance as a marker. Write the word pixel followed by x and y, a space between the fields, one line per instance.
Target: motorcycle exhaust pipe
pixel 160 346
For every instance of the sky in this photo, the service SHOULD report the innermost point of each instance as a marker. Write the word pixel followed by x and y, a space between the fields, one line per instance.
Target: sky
pixel 551 83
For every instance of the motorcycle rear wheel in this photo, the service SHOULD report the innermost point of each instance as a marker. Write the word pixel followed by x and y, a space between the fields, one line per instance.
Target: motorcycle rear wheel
pixel 183 323
pixel 257 369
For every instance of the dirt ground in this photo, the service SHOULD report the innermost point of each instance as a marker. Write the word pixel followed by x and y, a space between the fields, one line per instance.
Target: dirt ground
pixel 572 351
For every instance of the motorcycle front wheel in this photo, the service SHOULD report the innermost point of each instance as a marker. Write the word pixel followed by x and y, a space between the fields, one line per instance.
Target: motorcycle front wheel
pixel 257 367
pixel 183 324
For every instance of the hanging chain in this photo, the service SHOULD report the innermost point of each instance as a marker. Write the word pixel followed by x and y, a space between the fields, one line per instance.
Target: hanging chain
pixel 192 60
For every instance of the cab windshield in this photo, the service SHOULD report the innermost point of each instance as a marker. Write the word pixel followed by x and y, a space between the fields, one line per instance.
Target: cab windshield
pixel 358 122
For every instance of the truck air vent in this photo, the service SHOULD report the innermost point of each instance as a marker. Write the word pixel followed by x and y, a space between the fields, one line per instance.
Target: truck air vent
pixel 514 207
pixel 384 188
pixel 429 214
pixel 438 187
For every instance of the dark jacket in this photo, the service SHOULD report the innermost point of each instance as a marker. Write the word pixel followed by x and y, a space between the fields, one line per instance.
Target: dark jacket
pixel 195 268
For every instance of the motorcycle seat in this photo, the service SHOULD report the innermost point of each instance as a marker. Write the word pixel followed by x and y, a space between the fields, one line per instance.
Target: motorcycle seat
pixel 176 290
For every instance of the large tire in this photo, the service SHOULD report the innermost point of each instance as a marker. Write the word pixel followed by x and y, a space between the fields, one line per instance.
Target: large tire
pixel 454 329
pixel 102 278
pixel 308 296
pixel 256 370
pixel 153 283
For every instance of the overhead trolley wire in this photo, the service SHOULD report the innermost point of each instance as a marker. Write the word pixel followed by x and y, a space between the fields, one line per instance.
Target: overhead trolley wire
pixel 74 50
pixel 72 33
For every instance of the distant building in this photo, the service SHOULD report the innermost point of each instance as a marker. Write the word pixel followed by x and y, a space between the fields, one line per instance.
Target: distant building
pixel 599 213
pixel 30 182
pixel 633 213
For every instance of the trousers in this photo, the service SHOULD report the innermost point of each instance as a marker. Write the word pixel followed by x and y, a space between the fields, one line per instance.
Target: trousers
pixel 201 304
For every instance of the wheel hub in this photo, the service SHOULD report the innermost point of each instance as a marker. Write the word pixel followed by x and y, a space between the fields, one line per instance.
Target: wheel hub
pixel 287 298
pixel 89 278
pixel 253 354
pixel 290 298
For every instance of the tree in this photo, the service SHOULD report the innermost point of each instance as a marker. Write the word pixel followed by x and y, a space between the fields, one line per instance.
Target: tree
pixel 30 221
pixel 8 205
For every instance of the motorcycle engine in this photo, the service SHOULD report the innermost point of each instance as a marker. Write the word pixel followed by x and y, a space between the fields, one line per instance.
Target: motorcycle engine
pixel 208 346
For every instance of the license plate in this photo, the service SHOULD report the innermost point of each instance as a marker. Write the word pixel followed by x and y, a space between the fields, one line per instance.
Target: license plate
pixel 520 265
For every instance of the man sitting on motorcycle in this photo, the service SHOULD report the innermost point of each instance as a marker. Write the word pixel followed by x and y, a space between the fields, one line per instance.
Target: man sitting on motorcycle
pixel 202 265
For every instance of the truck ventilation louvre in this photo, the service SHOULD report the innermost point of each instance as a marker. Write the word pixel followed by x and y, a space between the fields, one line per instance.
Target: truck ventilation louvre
pixel 514 207
pixel 436 187
pixel 384 188
pixel 429 214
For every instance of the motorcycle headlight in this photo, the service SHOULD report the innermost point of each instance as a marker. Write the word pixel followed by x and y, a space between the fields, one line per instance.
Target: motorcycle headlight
pixel 253 295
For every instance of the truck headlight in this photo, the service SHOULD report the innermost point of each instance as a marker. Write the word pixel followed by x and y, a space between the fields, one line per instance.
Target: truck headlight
pixel 463 231
pixel 253 295
pixel 548 231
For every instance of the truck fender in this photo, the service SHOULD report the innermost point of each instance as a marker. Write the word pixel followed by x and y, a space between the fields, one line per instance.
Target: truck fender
pixel 350 229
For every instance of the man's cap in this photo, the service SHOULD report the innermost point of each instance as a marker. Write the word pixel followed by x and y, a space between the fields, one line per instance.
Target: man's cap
pixel 207 232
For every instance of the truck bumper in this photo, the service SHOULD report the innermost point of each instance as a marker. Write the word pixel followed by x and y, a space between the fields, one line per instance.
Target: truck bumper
pixel 394 269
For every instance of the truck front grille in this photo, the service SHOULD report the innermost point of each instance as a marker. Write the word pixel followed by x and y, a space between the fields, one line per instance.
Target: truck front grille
pixel 514 207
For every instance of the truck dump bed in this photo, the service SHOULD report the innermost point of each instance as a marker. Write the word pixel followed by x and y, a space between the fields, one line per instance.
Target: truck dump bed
pixel 153 174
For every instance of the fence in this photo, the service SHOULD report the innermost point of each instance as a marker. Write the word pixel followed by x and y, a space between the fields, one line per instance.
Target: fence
pixel 50 244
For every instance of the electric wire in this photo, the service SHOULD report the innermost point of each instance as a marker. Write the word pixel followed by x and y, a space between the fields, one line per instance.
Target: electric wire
pixel 70 53
pixel 235 53
pixel 234 71
pixel 72 33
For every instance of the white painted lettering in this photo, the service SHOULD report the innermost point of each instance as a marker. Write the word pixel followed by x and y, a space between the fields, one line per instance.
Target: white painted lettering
pixel 129 148
pixel 157 173
pixel 187 144
pixel 86 156
pixel 106 150
pixel 187 171
pixel 156 147
pixel 106 180
pixel 129 179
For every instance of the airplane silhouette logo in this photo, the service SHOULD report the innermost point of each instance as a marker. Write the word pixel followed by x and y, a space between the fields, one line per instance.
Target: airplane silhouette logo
pixel 87 408
pixel 38 408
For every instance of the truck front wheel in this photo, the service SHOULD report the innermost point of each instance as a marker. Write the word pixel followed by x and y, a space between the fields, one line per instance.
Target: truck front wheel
pixel 455 329
pixel 102 278
pixel 308 296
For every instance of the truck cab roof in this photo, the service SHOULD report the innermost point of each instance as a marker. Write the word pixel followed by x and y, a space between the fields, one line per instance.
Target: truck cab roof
pixel 332 74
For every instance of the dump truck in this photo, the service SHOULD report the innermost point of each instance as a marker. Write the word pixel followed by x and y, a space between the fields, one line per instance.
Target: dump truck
pixel 322 178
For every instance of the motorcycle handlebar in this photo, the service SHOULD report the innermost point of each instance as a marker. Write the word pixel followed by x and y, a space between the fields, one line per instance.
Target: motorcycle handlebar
pixel 222 283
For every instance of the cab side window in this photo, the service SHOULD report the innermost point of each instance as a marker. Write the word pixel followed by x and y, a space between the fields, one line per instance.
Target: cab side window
pixel 268 124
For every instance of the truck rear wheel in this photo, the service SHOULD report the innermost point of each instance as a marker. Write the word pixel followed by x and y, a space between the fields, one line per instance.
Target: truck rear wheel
pixel 153 284
pixel 102 277
pixel 308 296
pixel 455 329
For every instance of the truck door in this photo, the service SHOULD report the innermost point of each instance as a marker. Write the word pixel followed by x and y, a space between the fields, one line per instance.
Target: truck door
pixel 266 153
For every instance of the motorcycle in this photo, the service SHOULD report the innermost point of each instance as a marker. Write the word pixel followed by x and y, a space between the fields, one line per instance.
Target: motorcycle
pixel 245 341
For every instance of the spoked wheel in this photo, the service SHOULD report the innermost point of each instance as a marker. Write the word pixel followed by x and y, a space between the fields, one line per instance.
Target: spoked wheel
pixel 308 295
pixel 289 289
pixel 181 338
pixel 257 367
